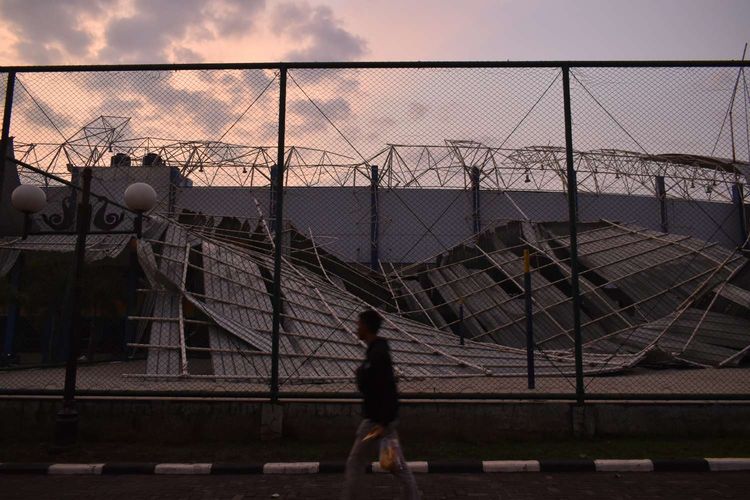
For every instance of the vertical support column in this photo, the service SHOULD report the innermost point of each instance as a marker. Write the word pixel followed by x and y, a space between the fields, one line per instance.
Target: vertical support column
pixel 11 320
pixel 5 140
pixel 75 179
pixel 661 196
pixel 273 195
pixel 461 320
pixel 529 320
pixel 26 226
pixel 374 218
pixel 132 296
pixel 738 198
pixel 67 419
pixel 174 177
pixel 278 237
pixel 476 216
pixel 572 218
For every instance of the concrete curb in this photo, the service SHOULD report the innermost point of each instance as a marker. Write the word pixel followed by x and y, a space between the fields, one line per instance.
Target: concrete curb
pixel 433 467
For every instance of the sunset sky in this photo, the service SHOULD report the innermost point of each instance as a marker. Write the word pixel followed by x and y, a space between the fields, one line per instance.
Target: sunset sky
pixel 357 113
pixel 176 31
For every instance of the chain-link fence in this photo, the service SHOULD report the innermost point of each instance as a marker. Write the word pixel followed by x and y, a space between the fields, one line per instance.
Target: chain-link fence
pixel 526 231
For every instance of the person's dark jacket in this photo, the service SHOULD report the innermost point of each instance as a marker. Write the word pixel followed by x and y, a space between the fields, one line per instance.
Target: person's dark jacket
pixel 377 383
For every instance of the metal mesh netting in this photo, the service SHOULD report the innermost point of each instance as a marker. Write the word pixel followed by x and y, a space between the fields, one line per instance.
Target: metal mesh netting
pixel 415 190
pixel 671 250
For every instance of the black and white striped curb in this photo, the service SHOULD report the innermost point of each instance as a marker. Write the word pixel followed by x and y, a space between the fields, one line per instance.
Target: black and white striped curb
pixel 434 467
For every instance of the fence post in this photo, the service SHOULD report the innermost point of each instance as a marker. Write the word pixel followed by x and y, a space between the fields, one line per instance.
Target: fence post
pixel 529 319
pixel 374 218
pixel 475 212
pixel 738 197
pixel 11 321
pixel 572 219
pixel 461 320
pixel 132 296
pixel 272 197
pixel 7 113
pixel 661 195
pixel 278 189
pixel 174 178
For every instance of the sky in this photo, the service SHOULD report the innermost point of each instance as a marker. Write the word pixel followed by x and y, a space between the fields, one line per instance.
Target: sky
pixel 357 113
pixel 182 31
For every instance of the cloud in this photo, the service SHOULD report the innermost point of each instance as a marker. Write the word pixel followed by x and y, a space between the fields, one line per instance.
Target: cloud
pixel 183 104
pixel 127 107
pixel 147 31
pixel 416 110
pixel 379 126
pixel 162 103
pixel 34 115
pixel 321 33
pixel 241 84
pixel 306 119
pixel 185 55
pixel 158 29
pixel 57 31
pixel 50 31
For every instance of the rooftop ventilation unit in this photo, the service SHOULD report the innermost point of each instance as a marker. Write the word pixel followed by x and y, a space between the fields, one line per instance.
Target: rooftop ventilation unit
pixel 152 160
pixel 120 160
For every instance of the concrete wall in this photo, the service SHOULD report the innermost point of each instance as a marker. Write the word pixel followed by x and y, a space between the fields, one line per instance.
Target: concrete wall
pixel 230 201
pixel 416 224
pixel 708 221
pixel 172 421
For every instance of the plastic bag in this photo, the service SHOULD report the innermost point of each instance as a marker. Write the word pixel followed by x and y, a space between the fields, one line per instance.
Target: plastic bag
pixel 390 454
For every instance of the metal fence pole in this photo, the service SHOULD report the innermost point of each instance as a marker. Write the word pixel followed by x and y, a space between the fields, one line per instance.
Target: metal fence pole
pixel 274 173
pixel 476 216
pixel 374 218
pixel 738 198
pixel 278 238
pixel 529 320
pixel 11 320
pixel 661 196
pixel 572 219
pixel 132 295
pixel 174 178
pixel 7 113
pixel 461 320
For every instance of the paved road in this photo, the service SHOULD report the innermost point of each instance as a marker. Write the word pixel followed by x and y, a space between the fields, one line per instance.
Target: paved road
pixel 578 486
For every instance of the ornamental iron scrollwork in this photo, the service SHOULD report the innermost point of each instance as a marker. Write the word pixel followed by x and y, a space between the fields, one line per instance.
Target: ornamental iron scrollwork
pixel 107 221
pixel 65 220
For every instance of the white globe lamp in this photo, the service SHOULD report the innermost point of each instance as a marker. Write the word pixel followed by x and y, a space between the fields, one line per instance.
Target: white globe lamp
pixel 140 197
pixel 28 199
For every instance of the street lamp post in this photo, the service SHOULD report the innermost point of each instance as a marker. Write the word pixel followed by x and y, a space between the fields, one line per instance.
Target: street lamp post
pixel 140 198
pixel 28 200
pixel 66 422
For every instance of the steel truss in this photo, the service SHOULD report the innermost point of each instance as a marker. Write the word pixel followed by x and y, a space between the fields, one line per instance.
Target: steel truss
pixel 448 165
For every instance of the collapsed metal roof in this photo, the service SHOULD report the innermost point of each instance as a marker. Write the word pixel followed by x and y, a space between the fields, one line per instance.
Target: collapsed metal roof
pixel 230 287
pixel 641 291
pixel 646 296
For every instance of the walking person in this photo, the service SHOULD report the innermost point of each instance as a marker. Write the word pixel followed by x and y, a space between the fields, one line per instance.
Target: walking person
pixel 377 383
